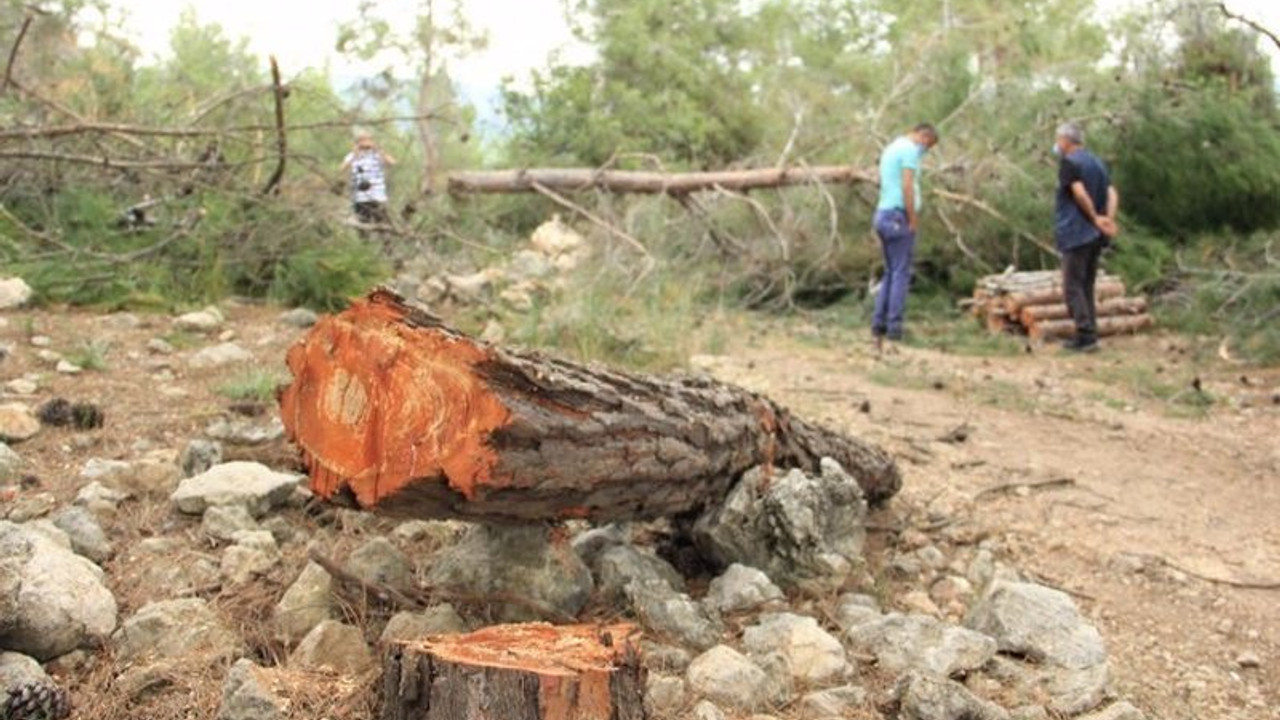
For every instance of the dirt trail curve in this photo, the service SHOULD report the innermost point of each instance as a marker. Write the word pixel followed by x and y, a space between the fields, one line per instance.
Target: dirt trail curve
pixel 1095 486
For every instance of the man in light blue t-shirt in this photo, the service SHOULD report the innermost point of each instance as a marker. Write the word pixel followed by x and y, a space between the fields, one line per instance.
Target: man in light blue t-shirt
pixel 896 221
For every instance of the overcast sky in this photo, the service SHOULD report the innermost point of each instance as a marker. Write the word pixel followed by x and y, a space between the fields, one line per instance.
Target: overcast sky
pixel 521 32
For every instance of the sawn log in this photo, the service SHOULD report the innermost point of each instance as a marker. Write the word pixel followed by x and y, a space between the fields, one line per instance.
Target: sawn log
pixel 568 180
pixel 393 410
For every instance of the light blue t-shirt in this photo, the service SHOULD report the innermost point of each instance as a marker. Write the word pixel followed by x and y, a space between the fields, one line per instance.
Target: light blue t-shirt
pixel 901 154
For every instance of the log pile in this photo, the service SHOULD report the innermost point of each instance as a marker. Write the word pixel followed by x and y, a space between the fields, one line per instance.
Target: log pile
pixel 1032 304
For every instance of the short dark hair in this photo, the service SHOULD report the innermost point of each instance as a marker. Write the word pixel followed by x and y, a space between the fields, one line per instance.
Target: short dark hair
pixel 925 128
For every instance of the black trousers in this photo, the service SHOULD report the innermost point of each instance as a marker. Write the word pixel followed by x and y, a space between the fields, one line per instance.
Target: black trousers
pixel 1079 276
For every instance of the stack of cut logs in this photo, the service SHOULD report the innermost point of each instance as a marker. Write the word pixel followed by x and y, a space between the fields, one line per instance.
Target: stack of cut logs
pixel 1032 303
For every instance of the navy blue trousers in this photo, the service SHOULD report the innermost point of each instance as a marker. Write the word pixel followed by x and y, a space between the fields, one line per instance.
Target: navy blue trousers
pixel 898 244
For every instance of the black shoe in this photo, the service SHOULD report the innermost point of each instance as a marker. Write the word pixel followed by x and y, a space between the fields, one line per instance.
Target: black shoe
pixel 1081 344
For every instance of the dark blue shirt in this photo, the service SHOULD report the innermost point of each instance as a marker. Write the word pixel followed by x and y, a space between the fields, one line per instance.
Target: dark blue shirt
pixel 1072 228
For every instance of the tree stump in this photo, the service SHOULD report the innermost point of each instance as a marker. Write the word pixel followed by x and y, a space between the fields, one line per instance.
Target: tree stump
pixel 518 672
pixel 394 411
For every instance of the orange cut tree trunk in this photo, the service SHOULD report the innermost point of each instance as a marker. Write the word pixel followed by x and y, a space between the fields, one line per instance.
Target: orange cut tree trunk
pixel 517 672
pixel 394 411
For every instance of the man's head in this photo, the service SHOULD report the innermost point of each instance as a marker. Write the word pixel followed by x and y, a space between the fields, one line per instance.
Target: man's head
pixel 925 135
pixel 364 141
pixel 1069 136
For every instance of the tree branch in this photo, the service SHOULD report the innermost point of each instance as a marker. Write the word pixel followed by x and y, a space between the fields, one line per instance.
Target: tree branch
pixel 1254 24
pixel 282 139
pixel 13 53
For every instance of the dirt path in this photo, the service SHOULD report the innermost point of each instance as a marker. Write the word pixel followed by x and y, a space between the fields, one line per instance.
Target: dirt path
pixel 1098 474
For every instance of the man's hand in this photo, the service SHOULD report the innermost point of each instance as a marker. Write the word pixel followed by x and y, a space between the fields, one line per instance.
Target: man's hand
pixel 1107 226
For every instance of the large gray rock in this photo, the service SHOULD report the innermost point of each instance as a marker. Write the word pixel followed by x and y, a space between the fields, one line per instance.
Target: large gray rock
pixel 299 318
pixel 664 696
pixel 254 553
pixel 333 646
pixel 224 522
pixel 251 485
pixel 834 703
pixel 589 544
pixel 14 293
pixel 515 562
pixel 854 609
pixel 622 565
pixel 87 537
pixel 17 423
pixel 916 642
pixel 10 463
pixel 727 677
pixel 17 670
pixel 1039 623
pixel 437 620
pixel 795 527
pixel 176 629
pixel 308 602
pixel 1069 691
pixel 740 589
pixel 921 696
pixel 200 321
pixel 199 456
pixel 246 697
pixel 672 614
pixel 378 562
pixel 52 600
pixel 227 353
pixel 244 431
pixel 99 498
pixel 812 654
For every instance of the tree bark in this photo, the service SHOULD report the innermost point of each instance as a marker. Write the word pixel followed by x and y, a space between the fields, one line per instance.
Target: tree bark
pixel 619 181
pixel 517 672
pixel 1116 325
pixel 1032 314
pixel 395 411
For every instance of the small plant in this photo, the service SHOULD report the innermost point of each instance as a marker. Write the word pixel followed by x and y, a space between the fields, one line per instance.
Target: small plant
pixel 90 355
pixel 257 385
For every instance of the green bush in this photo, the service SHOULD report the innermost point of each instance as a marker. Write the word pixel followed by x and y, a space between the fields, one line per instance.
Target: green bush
pixel 327 276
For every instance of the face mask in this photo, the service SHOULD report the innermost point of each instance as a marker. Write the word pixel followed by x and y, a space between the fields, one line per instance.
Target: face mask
pixel 1057 151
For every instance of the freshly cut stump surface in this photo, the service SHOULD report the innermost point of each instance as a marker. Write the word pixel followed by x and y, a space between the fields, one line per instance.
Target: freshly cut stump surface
pixel 394 411
pixel 532 671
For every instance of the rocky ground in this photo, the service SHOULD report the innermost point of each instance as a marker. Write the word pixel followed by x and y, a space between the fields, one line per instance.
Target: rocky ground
pixel 1064 546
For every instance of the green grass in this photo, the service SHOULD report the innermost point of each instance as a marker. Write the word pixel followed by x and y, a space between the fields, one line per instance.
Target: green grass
pixel 1176 391
pixel 90 355
pixel 258 385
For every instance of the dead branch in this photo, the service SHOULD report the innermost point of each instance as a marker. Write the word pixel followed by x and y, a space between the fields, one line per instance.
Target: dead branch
pixel 595 219
pixel 987 209
pixel 1244 584
pixel 38 97
pixel 110 163
pixel 1253 24
pixel 282 139
pixel 13 53
pixel 1009 488
pixel 651 183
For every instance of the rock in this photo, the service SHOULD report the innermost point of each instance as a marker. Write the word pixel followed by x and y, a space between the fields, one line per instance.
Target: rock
pixel 254 553
pixel 306 603
pixel 245 696
pixel 199 456
pixel 178 630
pixel 49 357
pixel 836 702
pixel 529 265
pixel 29 506
pixel 707 710
pixel 226 353
pixel 951 589
pixel 99 498
pixel 299 318
pixel 794 527
pixel 727 677
pixel 515 562
pixel 17 423
pixel 245 432
pixel 903 643
pixel 202 321
pixel 925 697
pixel 10 464
pixel 741 588
pixel 494 333
pixel 17 670
pixel 437 620
pixel 1069 691
pixel 334 647
pixel 1248 660
pixel 52 601
pixel 1039 623
pixel 620 566
pixel 87 537
pixel 812 654
pixel 14 293
pixel 673 614
pixel 437 533
pixel 22 386
pixel 853 610
pixel 252 485
pixel 591 543
pixel 1116 711
pixel 222 522
pixel 919 602
pixel 932 557
pixel 554 238
pixel 664 696
pixel 664 658
pixel 66 367
pixel 378 562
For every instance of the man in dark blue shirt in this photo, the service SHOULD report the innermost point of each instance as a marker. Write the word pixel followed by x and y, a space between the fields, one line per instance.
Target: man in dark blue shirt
pixel 1084 223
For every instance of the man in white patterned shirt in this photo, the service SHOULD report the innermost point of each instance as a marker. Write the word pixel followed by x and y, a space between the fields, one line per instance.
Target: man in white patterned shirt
pixel 368 165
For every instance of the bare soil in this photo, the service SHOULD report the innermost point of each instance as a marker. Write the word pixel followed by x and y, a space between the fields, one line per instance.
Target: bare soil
pixel 1109 475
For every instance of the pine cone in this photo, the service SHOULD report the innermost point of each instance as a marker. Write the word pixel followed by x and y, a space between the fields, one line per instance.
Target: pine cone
pixel 39 700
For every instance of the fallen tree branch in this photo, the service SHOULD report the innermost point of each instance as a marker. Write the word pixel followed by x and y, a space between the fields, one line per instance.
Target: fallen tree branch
pixel 13 53
pixel 652 183
pixel 282 139
pixel 597 220
pixel 979 205
pixel 110 163
pixel 1253 24
pixel 1009 488
pixel 1244 584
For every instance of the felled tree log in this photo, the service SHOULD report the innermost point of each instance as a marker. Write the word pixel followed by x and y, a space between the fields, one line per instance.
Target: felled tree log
pixel 1117 325
pixel 517 672
pixel 566 180
pixel 395 411
pixel 1105 289
pixel 1110 307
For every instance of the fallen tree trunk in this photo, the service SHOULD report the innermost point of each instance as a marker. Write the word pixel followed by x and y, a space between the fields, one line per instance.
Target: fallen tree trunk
pixel 393 410
pixel 1032 314
pixel 1117 325
pixel 1105 289
pixel 621 181
pixel 517 672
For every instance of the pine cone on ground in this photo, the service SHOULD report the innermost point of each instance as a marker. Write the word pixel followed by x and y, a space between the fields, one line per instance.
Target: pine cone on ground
pixel 35 701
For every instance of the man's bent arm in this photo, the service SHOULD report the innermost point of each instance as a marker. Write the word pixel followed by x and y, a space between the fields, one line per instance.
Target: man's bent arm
pixel 1113 202
pixel 1084 201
